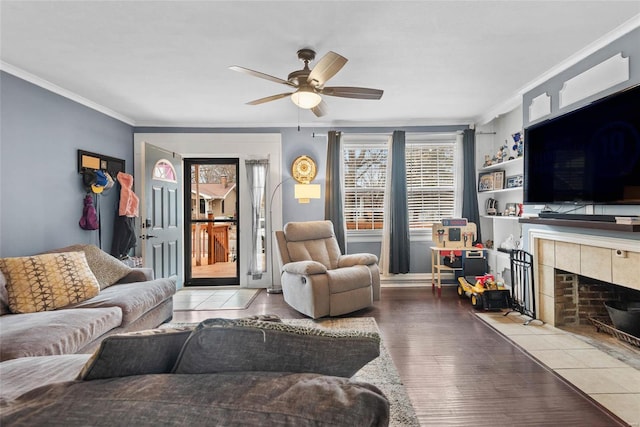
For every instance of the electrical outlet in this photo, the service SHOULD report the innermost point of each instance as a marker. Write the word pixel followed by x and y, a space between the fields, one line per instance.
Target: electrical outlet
pixel 620 253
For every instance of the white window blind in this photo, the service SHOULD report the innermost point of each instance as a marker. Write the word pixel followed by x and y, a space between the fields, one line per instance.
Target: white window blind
pixel 364 183
pixel 430 181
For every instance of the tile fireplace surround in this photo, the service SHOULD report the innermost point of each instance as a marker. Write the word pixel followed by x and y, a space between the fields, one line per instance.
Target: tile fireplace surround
pixel 610 260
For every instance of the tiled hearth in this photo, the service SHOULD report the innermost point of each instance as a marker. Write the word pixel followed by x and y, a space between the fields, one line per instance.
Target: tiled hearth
pixel 612 379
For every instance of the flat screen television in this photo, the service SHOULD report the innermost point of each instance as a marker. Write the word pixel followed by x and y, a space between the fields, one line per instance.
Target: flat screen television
pixel 587 156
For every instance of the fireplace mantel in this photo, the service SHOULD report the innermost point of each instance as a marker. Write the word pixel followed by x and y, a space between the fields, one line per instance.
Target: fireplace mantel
pixel 612 260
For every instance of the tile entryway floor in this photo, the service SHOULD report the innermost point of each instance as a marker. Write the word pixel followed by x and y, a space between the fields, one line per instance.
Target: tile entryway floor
pixel 219 298
pixel 613 382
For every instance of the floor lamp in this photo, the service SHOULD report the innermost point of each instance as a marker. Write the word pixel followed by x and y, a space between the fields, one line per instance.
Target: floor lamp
pixel 273 289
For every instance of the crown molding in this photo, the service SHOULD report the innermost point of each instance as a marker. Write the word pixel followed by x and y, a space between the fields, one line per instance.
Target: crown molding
pixel 45 84
pixel 514 101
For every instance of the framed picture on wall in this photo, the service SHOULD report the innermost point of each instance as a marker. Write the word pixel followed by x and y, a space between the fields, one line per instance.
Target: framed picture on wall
pixel 498 180
pixel 485 182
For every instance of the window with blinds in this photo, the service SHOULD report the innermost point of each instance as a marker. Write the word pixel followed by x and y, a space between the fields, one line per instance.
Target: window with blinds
pixel 430 163
pixel 365 169
pixel 430 182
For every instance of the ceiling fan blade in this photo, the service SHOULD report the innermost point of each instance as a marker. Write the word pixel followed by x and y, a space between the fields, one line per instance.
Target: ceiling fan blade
pixel 320 109
pixel 353 92
pixel 326 68
pixel 261 75
pixel 269 98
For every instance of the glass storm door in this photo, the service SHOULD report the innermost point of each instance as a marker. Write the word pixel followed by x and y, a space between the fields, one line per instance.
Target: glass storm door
pixel 211 222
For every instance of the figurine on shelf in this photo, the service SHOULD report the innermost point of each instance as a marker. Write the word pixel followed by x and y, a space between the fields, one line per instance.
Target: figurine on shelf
pixel 501 155
pixel 487 161
pixel 510 243
pixel 518 144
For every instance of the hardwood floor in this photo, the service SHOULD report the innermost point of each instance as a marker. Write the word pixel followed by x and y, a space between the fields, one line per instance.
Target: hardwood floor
pixel 456 369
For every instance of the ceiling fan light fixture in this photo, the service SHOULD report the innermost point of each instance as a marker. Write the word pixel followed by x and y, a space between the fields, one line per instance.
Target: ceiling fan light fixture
pixel 305 98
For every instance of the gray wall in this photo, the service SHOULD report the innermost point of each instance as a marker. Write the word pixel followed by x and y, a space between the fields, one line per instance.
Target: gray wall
pixel 296 143
pixel 41 193
pixel 629 46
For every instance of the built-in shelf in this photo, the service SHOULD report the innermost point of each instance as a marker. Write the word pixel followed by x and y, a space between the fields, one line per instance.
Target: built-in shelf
pixel 596 225
pixel 504 190
pixel 502 164
pixel 505 217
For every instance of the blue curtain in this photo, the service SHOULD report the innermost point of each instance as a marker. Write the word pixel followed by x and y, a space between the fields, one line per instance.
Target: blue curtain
pixel 399 243
pixel 333 208
pixel 469 195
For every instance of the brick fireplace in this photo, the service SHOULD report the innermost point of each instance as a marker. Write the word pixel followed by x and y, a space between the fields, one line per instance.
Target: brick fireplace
pixel 577 298
pixel 576 273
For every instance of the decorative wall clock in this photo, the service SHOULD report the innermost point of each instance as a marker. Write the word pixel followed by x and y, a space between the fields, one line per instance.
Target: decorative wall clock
pixel 303 169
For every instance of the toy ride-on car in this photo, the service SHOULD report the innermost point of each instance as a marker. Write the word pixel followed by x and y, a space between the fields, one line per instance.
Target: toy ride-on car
pixel 485 292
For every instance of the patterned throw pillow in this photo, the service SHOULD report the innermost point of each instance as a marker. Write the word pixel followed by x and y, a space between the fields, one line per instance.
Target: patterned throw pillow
pixel 107 269
pixel 48 281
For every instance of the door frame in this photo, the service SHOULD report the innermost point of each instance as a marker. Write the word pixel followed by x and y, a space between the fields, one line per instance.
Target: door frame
pixel 244 146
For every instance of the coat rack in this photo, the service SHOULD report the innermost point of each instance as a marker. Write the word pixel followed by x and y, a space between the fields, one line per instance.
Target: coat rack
pixel 88 160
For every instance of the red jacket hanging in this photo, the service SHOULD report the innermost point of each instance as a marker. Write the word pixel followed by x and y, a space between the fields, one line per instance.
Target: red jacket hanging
pixel 128 199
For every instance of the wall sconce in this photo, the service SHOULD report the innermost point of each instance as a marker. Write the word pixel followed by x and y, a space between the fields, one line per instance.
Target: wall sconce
pixel 305 192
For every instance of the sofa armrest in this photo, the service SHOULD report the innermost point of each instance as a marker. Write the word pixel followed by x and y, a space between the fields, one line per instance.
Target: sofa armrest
pixel 356 259
pixel 140 274
pixel 304 267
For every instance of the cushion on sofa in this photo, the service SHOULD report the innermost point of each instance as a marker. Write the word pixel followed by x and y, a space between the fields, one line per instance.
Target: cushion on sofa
pixel 107 269
pixel 26 373
pixel 48 281
pixel 135 299
pixel 229 399
pixel 138 274
pixel 54 332
pixel 153 351
pixel 226 345
pixel 349 278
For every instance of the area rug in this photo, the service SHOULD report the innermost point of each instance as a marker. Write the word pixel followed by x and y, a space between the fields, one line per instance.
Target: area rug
pixel 380 372
pixel 225 298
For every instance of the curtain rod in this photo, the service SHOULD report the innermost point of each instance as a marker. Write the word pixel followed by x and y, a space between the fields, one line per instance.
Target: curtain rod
pixel 485 133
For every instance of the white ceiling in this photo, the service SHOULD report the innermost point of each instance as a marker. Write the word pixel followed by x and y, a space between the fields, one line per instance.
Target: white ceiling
pixel 165 63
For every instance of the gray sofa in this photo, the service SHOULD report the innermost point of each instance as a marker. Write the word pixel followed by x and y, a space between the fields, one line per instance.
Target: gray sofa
pixel 244 372
pixel 130 299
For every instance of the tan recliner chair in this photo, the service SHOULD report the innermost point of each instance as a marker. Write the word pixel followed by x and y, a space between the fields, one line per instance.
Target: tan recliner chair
pixel 317 280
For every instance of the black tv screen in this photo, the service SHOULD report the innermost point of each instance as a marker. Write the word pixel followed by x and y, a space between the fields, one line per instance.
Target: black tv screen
pixel 590 155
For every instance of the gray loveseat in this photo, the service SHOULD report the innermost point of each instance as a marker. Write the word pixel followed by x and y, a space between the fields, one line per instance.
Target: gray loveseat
pixel 129 299
pixel 244 372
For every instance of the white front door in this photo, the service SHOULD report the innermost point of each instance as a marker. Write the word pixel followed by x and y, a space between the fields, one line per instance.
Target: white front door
pixel 161 212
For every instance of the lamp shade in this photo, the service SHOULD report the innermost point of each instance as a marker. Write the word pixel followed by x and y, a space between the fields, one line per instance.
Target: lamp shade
pixel 305 192
pixel 305 98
